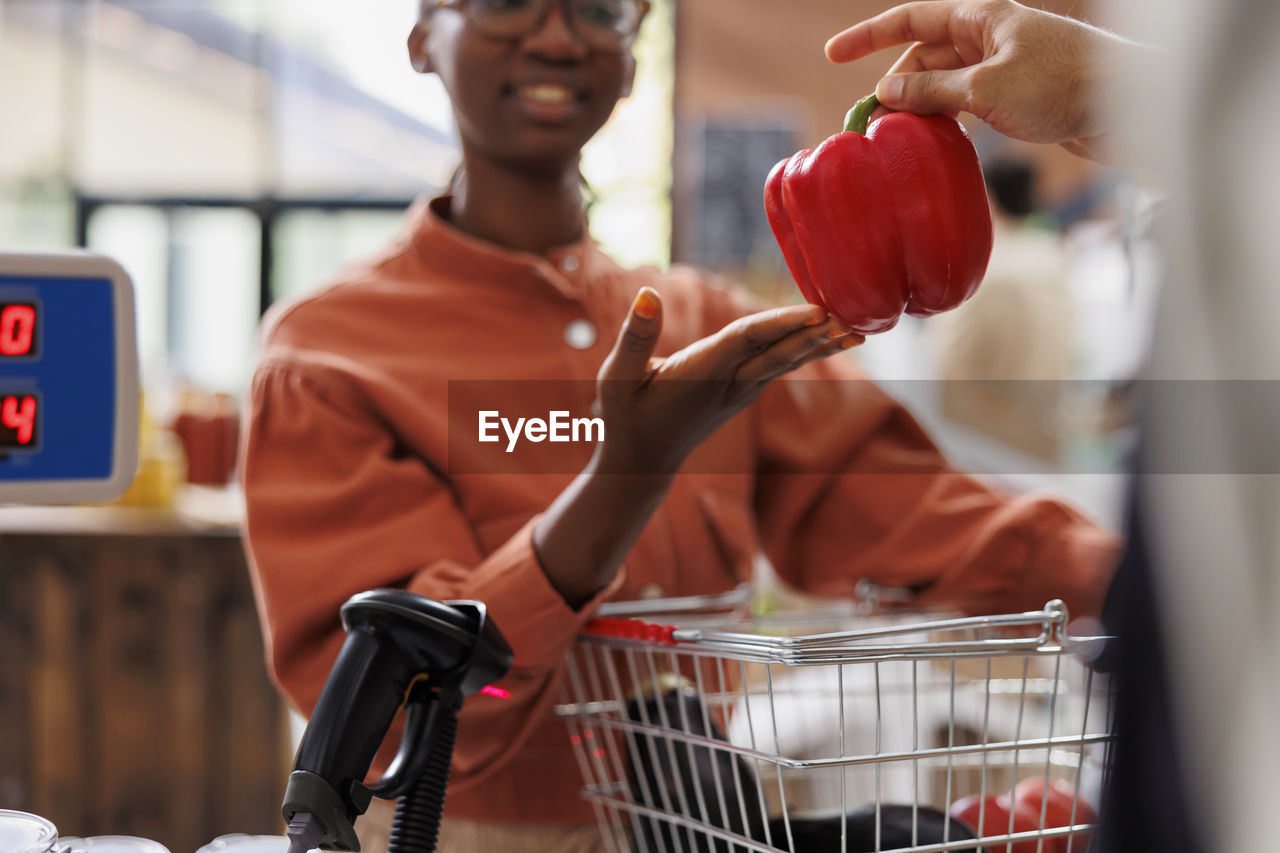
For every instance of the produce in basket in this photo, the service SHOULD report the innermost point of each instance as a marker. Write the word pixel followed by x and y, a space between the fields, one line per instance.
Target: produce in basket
pixel 897 821
pixel 671 773
pixel 1057 796
pixel 668 775
pixel 989 817
pixel 883 219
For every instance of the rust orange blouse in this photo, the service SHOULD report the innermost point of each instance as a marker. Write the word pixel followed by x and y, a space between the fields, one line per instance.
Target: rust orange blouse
pixel 349 486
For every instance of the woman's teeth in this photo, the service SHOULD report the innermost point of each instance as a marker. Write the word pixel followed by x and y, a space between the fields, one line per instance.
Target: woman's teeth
pixel 546 94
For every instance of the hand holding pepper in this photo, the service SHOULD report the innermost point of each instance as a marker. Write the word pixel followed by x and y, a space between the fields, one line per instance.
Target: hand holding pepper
pixel 883 219
pixel 656 410
pixel 1029 74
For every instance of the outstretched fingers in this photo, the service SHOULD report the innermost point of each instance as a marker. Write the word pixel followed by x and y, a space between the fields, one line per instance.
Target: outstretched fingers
pixel 928 22
pixel 749 337
pixel 795 351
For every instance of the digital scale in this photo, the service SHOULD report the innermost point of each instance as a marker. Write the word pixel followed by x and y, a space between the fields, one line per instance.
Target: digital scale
pixel 68 379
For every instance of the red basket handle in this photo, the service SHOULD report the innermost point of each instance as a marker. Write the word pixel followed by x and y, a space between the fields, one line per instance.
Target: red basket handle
pixel 630 629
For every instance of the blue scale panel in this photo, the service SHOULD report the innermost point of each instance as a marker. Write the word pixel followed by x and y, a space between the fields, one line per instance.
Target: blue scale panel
pixel 57 378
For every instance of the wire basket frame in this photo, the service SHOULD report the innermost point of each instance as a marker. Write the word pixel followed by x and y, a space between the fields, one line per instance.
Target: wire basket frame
pixel 813 731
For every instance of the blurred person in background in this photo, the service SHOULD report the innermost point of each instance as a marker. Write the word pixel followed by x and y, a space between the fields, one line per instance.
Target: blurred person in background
pixel 347 461
pixel 1017 329
pixel 1196 601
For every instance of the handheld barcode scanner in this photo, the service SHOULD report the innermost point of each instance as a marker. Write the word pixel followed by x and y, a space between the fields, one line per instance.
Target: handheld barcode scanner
pixel 400 648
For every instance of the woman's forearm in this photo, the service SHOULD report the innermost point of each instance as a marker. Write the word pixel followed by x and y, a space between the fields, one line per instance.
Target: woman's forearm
pixel 590 527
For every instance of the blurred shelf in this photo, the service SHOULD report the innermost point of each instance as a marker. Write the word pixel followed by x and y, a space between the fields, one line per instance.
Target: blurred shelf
pixel 197 510
pixel 134 696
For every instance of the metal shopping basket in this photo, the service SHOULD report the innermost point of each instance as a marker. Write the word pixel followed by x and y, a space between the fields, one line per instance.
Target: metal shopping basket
pixel 833 730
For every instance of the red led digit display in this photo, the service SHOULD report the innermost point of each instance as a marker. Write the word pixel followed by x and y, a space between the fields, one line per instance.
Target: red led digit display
pixel 18 422
pixel 17 330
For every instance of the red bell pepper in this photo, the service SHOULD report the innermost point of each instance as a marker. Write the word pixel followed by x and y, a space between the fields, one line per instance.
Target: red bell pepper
pixel 884 219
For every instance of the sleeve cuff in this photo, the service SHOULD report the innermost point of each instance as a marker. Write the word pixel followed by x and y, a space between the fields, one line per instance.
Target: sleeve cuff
pixel 531 614
pixel 1074 564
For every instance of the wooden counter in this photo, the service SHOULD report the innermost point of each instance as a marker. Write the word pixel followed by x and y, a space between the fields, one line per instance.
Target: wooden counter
pixel 133 695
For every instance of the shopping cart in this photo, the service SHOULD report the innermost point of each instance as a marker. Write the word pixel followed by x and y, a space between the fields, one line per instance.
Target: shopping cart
pixel 698 730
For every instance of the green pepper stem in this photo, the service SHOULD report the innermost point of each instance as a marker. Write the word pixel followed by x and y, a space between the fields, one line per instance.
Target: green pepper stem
pixel 856 119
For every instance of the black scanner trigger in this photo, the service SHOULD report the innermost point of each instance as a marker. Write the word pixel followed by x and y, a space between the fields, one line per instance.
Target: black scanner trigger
pixel 422 715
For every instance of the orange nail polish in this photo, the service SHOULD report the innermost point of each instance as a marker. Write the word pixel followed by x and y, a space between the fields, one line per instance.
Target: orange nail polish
pixel 646 304
pixel 850 343
pixel 835 333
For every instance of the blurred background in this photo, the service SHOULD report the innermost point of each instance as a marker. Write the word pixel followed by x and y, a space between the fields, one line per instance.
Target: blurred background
pixel 231 153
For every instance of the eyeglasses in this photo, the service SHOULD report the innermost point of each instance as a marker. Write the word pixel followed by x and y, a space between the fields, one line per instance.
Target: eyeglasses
pixel 601 24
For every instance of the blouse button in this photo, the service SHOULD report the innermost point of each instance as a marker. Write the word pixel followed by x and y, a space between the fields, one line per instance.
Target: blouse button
pixel 569 263
pixel 580 334
pixel 650 591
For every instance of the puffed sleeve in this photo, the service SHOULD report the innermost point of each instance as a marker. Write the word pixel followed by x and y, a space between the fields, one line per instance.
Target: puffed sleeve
pixel 334 508
pixel 851 487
